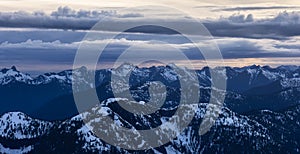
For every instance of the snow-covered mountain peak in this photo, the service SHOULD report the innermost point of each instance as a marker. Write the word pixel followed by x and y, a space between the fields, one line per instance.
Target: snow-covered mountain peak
pixel 12 74
pixel 17 125
pixel 124 69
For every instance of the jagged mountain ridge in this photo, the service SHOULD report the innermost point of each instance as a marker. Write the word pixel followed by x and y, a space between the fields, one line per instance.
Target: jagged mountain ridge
pixel 245 87
pixel 249 76
pixel 258 116
pixel 231 132
pixel 251 73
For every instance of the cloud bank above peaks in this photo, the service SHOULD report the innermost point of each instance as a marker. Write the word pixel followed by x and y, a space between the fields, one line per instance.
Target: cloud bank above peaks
pixel 62 18
pixel 229 47
pixel 281 26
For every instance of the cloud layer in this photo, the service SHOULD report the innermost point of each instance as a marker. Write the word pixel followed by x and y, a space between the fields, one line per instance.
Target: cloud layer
pixel 238 35
pixel 231 48
pixel 284 24
pixel 62 18
pixel 251 8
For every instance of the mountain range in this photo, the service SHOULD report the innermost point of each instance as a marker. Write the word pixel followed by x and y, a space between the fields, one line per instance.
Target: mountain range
pixel 260 112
